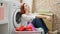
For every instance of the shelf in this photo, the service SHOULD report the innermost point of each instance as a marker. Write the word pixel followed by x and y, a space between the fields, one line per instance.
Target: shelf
pixel 3 23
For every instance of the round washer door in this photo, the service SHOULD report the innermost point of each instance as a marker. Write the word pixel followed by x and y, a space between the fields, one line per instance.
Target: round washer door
pixel 16 18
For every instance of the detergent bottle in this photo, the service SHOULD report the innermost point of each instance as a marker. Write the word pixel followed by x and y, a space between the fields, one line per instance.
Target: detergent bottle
pixel 1 11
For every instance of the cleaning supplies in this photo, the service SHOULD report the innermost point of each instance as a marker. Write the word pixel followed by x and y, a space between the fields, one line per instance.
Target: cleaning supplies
pixel 1 11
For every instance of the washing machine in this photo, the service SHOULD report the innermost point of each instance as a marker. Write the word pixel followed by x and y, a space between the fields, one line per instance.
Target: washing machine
pixel 14 11
pixel 14 16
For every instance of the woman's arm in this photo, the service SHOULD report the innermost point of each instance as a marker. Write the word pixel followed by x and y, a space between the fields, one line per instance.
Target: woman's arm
pixel 43 16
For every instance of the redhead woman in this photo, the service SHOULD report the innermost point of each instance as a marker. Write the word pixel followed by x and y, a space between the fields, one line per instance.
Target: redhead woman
pixel 31 18
pixel 26 15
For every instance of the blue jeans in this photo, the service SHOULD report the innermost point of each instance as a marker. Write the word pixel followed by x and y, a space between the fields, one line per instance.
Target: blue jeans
pixel 38 22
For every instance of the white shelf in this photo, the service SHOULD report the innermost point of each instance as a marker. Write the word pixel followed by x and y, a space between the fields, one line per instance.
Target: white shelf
pixel 3 23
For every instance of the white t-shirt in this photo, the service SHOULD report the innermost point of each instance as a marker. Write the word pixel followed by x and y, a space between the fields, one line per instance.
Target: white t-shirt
pixel 25 18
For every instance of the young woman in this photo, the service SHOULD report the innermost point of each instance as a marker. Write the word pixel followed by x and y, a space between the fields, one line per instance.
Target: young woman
pixel 36 19
pixel 26 15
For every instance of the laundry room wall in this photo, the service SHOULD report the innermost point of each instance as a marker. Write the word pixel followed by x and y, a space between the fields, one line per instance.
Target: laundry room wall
pixel 53 6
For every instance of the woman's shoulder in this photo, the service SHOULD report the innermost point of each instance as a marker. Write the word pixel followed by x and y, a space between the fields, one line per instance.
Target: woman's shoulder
pixel 26 14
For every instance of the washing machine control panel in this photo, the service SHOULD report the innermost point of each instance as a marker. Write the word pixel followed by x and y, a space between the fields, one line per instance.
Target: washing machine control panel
pixel 15 5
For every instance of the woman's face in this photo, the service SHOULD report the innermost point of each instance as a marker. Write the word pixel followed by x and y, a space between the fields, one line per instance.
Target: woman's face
pixel 26 7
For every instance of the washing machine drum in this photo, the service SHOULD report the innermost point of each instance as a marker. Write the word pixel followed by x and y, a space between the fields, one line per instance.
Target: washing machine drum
pixel 17 18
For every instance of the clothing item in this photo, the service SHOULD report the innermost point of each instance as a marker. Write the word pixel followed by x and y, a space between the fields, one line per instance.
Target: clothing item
pixel 33 28
pixel 40 30
pixel 25 18
pixel 38 22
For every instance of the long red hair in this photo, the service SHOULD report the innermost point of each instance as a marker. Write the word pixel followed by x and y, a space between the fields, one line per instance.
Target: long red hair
pixel 22 9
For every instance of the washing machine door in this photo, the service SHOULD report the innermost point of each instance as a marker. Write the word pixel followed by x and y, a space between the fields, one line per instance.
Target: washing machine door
pixel 17 18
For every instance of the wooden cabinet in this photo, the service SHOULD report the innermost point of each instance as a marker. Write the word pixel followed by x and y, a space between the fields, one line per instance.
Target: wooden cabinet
pixel 50 22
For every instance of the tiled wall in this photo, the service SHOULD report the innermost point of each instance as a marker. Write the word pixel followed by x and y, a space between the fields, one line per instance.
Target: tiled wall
pixel 49 5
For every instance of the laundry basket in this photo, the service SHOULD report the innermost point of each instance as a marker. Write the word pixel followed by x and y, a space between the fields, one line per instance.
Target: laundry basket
pixel 27 32
pixel 41 31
